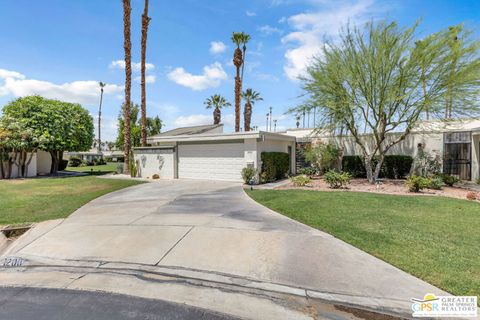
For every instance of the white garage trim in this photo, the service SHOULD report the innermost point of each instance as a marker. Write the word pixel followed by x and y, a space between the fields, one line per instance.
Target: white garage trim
pixel 211 161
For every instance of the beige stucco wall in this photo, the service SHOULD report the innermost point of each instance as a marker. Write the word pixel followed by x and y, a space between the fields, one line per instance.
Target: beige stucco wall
pixel 269 145
pixel 44 162
pixel 155 161
pixel 476 156
pixel 32 168
pixel 432 142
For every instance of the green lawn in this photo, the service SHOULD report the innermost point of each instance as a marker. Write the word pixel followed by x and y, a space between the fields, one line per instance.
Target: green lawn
pixel 96 170
pixel 434 238
pixel 33 200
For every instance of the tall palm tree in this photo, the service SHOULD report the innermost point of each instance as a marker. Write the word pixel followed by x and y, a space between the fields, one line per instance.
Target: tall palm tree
pixel 102 85
pixel 237 38
pixel 245 38
pixel 251 96
pixel 127 45
pixel 145 21
pixel 217 102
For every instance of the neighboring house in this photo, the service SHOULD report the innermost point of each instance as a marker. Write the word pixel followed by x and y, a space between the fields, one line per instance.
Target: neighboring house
pixel 93 153
pixel 205 152
pixel 455 143
pixel 39 166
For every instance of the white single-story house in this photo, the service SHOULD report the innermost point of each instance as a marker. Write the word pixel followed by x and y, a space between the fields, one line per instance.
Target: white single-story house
pixel 205 152
pixel 456 143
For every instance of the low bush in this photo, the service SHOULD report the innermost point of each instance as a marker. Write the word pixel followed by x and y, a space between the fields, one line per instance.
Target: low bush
pixel 248 174
pixel 308 171
pixel 89 163
pixel 471 195
pixel 354 165
pixel 449 180
pixel 416 183
pixel 75 162
pixel 120 168
pixel 156 176
pixel 300 181
pixel 336 179
pixel 101 162
pixel 323 156
pixel 394 166
pixel 275 165
pixel 108 159
pixel 436 183
pixel 478 181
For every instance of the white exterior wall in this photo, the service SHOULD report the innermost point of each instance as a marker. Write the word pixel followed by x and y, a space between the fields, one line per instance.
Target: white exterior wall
pixel 44 162
pixel 155 161
pixel 476 156
pixel 32 168
pixel 432 142
pixel 270 145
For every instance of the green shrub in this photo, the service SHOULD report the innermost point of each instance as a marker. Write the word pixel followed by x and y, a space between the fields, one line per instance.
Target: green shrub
pixel 393 167
pixel 62 165
pixel 449 180
pixel 300 181
pixel 436 183
pixel 323 156
pixel 101 162
pixel 75 162
pixel 275 165
pixel 416 183
pixel 308 171
pixel 108 159
pixel 156 176
pixel 354 165
pixel 248 174
pixel 396 166
pixel 478 181
pixel 336 179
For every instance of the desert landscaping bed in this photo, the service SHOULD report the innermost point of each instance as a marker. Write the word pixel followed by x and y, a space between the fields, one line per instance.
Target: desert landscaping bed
pixel 394 187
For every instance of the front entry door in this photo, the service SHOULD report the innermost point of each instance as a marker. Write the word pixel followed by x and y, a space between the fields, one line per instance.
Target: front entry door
pixel 458 155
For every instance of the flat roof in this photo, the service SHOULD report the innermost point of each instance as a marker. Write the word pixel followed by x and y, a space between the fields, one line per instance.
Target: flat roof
pixel 222 137
pixel 189 130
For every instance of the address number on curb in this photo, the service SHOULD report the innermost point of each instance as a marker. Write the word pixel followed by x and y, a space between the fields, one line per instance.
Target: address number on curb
pixel 12 262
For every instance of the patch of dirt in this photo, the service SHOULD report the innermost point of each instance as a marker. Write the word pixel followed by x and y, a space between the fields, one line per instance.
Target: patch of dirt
pixel 395 187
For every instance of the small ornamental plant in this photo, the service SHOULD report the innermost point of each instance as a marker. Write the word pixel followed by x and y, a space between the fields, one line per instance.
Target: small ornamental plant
pixel 300 181
pixel 416 183
pixel 337 180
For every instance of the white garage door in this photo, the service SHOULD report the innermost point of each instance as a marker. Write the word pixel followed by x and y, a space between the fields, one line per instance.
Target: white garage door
pixel 223 161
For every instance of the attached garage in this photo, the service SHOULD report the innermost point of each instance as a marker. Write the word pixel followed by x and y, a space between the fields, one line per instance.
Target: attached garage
pixel 213 161
pixel 209 154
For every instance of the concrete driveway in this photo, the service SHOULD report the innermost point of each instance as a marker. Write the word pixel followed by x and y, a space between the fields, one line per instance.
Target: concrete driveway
pixel 210 234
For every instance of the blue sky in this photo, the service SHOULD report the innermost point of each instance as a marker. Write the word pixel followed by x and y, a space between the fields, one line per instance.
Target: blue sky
pixel 61 49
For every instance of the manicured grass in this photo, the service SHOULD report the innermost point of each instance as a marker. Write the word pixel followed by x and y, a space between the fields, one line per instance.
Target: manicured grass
pixel 96 170
pixel 434 238
pixel 33 200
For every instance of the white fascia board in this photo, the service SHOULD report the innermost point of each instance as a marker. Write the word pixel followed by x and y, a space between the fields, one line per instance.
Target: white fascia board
pixel 221 137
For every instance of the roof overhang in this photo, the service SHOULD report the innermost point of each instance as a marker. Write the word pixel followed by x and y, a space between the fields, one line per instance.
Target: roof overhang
pixel 262 135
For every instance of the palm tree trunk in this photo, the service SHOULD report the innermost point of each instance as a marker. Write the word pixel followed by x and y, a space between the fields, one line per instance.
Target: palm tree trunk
pixel 145 22
pixel 217 116
pixel 127 45
pixel 237 62
pixel 247 116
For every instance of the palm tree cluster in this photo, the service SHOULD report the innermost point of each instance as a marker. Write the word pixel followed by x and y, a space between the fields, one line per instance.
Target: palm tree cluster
pixel 240 39
pixel 128 79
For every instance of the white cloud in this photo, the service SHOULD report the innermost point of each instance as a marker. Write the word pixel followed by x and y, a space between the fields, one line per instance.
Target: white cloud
pixel 217 47
pixel 269 30
pixel 310 27
pixel 193 120
pixel 250 13
pixel 136 66
pixel 211 77
pixel 85 92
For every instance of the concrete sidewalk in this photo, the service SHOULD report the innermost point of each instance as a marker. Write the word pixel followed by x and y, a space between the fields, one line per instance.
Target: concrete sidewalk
pixel 209 245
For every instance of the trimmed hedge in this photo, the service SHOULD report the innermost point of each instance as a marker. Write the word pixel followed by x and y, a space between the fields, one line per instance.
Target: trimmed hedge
pixel 394 166
pixel 275 165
